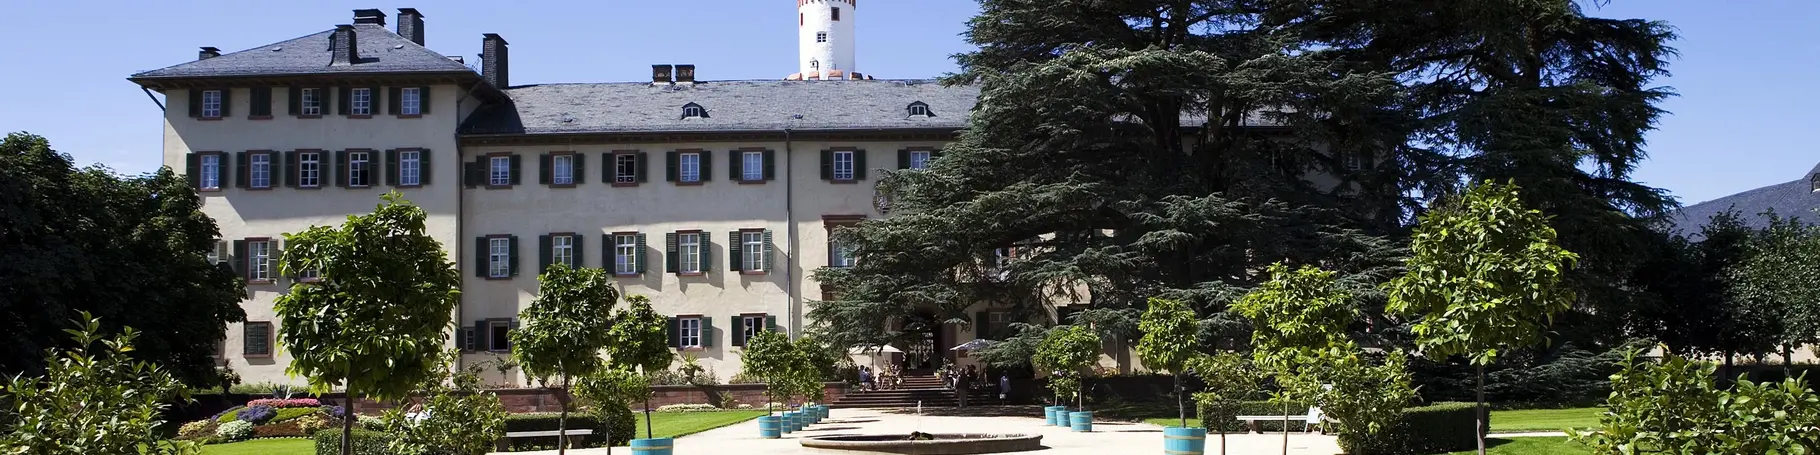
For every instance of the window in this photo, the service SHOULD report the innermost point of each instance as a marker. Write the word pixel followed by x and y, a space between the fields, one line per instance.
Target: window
pixel 750 326
pixel 410 101
pixel 919 159
pixel 625 254
pixel 918 109
pixel 210 171
pixel 837 14
pixel 843 165
pixel 309 169
pixel 821 37
pixel 410 172
pixel 499 336
pixel 361 101
pixel 688 252
pixel 1816 183
pixel 688 167
pixel 359 170
pixel 259 260
pixel 211 104
pixel 500 171
pixel 752 251
pixel 309 275
pixel 752 166
pixel 815 65
pixel 1352 161
pixel 1002 256
pixel 693 110
pixel 625 168
pixel 499 257
pixel 311 99
pixel 256 339
pixel 840 255
pixel 689 332
pixel 216 254
pixel 259 170
pixel 562 250
pixel 562 170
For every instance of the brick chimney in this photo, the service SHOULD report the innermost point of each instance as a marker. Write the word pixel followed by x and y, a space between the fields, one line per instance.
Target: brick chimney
pixel 410 25
pixel 208 52
pixel 660 74
pixel 493 60
pixel 343 44
pixel 369 16
pixel 685 74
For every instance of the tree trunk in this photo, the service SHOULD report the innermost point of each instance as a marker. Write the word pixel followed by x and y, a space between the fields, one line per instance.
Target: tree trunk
pixel 347 422
pixel 562 418
pixel 1222 439
pixel 1479 411
pixel 1181 407
pixel 647 416
pixel 1788 360
pixel 1286 428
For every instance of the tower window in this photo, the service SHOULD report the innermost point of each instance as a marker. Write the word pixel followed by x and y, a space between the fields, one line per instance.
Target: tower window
pixel 821 37
pixel 920 109
pixel 693 110
pixel 815 65
pixel 837 14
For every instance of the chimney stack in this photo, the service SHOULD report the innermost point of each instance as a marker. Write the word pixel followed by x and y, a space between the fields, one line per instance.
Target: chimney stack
pixel 208 52
pixel 685 74
pixel 493 60
pixel 660 74
pixel 342 43
pixel 410 25
pixel 369 16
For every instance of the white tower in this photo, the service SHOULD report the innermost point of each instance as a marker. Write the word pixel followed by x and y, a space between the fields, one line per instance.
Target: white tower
pixel 825 37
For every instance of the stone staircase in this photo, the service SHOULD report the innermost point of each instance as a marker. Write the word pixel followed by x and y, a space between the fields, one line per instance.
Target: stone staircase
pixel 927 390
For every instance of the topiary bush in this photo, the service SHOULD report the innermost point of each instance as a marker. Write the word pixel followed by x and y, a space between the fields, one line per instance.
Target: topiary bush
pixel 366 442
pixel 235 430
pixel 1436 428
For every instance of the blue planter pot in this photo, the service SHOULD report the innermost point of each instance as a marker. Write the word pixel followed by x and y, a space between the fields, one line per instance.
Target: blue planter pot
pixel 1184 441
pixel 821 413
pixel 770 427
pixel 787 421
pixel 803 418
pixel 1081 421
pixel 653 446
pixel 1051 415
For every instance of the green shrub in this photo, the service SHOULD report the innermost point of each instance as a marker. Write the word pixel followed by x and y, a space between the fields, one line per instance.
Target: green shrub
pixel 1674 406
pixel 285 414
pixel 328 442
pixel 546 421
pixel 196 430
pixel 1230 424
pixel 1436 428
pixel 620 419
pixel 235 430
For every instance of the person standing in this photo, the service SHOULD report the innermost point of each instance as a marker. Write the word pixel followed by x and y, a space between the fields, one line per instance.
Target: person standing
pixel 1004 388
pixel 961 388
pixel 865 378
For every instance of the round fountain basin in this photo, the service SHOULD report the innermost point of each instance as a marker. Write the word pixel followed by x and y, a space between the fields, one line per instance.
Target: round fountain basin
pixel 942 444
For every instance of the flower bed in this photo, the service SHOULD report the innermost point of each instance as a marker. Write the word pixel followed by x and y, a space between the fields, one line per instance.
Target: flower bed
pixel 286 403
pixel 688 408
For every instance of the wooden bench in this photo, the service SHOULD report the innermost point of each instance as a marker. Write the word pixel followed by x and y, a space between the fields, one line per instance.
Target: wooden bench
pixel 503 445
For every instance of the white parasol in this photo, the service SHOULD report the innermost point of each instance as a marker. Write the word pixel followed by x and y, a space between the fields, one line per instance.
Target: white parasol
pixel 974 345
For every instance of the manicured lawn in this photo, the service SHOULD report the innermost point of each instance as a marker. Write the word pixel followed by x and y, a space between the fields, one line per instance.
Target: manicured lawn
pixel 1173 422
pixel 1529 446
pixel 285 446
pixel 1544 419
pixel 674 424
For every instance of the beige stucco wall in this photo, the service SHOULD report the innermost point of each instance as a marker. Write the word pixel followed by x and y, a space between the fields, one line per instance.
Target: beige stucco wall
pixel 243 213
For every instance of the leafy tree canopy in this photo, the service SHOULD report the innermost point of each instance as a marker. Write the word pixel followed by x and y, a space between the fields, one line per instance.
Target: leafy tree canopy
pixel 130 250
pixel 638 338
pixel 568 324
pixel 94 398
pixel 1777 282
pixel 1296 313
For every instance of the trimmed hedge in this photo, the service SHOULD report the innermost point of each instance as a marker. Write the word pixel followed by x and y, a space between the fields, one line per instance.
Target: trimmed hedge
pixel 328 442
pixel 1229 422
pixel 546 421
pixel 1437 428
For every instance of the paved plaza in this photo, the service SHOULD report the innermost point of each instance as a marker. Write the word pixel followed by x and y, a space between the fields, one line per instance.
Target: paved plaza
pixel 1106 439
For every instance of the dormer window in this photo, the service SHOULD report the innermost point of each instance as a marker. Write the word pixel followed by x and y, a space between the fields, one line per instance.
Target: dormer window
pixel 693 110
pixel 1816 183
pixel 920 109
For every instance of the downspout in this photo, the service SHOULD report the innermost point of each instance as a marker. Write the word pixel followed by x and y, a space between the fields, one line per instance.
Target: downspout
pixel 461 207
pixel 790 307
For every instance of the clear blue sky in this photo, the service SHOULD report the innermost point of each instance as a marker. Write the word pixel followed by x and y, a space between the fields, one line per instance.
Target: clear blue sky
pixel 1745 117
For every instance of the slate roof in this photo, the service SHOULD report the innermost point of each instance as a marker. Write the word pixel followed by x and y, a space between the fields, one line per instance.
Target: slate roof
pixel 731 106
pixel 381 51
pixel 1789 199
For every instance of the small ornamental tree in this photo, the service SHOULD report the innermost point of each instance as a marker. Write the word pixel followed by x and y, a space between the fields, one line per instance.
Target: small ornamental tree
pixel 1294 316
pixel 609 392
pixel 1068 350
pixel 1228 379
pixel 1483 276
pixel 92 398
pixel 1169 329
pixel 814 361
pixel 457 418
pixel 1778 279
pixel 1364 399
pixel 377 315
pixel 564 330
pixel 639 340
pixel 769 356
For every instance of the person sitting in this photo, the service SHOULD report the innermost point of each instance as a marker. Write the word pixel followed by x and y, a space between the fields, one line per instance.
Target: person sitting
pixel 865 378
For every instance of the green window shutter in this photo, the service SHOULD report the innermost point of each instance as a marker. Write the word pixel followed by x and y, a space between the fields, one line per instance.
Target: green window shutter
pixel 903 159
pixel 327 100
pixel 423 100
pixel 575 251
pixel 341 168
pixel 480 259
pixel 516 169
pixel 675 326
pixel 227 101
pixel 707 262
pixel 734 160
pixel 483 335
pixel 638 254
pixel 195 102
pixel 461 339
pixel 261 101
pixel 733 252
pixel 670 166
pixel 391 165
pixel 707 165
pixel 980 329
pixel 394 98
pixel 859 164
pixel 543 169
pixel 544 253
pixel 737 331
pixel 473 172
pixel 579 167
pixel 512 255
pixel 639 167
pixel 295 106
pixel 192 168
pixel 241 171
pixel 771 324
pixel 670 252
pixel 290 169
pixel 346 100
pixel 770 251
pixel 606 168
pixel 239 258
pixel 707 332
pixel 827 165
pixel 770 166
pixel 606 254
